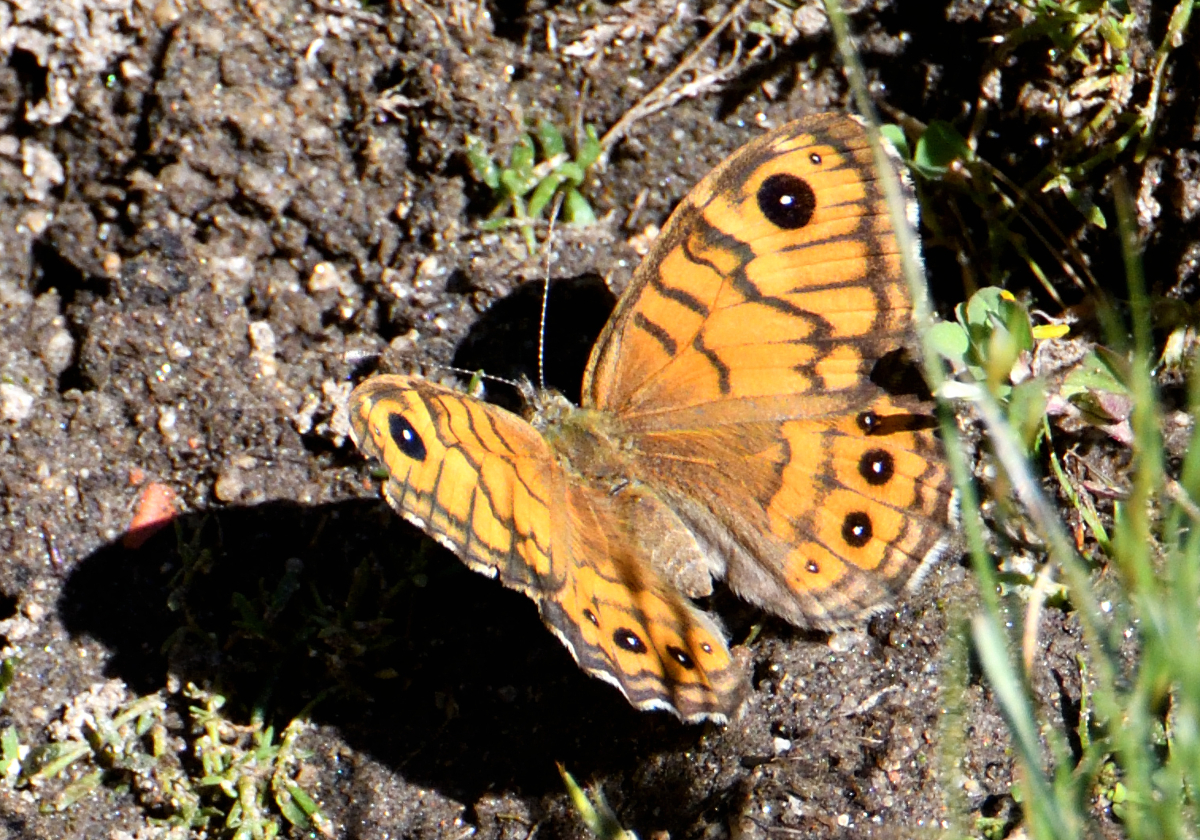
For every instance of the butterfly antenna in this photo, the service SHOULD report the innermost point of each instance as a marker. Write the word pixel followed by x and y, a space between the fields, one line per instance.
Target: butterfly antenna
pixel 547 248
pixel 474 374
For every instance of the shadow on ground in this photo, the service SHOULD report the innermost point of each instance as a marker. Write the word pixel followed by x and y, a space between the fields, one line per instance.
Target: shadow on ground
pixel 436 671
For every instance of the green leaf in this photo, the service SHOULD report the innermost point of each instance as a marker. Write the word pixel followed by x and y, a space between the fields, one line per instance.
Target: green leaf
pixel 516 184
pixel 289 584
pixel 1096 216
pixel 482 165
pixel 1100 370
pixel 8 670
pixel 596 815
pixel 950 341
pixel 47 761
pixel 895 135
pixel 379 471
pixel 520 162
pixel 589 152
pixel 1115 36
pixel 571 171
pixel 10 749
pixel 576 209
pixel 1081 201
pixel 248 615
pixel 302 799
pixel 982 306
pixel 1016 320
pixel 938 148
pixel 1026 408
pixel 291 810
pixel 551 140
pixel 543 194
pixel 77 790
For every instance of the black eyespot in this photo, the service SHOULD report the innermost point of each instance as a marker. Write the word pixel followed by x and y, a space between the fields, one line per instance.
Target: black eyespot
pixel 681 656
pixel 787 201
pixel 877 467
pixel 406 437
pixel 868 421
pixel 856 529
pixel 629 640
pixel 812 567
pixel 591 616
pixel 815 158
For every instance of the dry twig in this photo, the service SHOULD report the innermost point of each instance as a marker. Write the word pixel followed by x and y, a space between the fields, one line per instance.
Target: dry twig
pixel 663 97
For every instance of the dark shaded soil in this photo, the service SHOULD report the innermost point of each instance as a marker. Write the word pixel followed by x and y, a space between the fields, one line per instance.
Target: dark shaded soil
pixel 256 205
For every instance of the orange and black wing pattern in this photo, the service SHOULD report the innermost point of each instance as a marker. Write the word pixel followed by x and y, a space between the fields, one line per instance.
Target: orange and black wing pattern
pixel 740 363
pixel 485 484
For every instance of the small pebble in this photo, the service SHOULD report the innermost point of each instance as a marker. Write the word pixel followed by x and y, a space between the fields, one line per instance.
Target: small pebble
pixel 16 404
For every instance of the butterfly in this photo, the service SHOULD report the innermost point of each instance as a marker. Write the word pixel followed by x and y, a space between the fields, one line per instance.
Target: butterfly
pixel 736 423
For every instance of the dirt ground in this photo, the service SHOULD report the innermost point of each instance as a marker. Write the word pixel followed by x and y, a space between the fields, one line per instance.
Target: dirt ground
pixel 219 215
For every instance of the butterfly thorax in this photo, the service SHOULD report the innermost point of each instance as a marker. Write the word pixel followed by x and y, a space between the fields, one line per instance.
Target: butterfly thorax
pixel 594 448
pixel 586 442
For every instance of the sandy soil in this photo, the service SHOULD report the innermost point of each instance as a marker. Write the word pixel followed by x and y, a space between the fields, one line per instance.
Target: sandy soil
pixel 219 215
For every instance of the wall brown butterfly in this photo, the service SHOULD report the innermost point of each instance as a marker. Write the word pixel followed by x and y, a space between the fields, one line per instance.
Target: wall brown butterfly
pixel 731 427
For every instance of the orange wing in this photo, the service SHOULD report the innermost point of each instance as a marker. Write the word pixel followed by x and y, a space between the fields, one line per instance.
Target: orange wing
pixel 740 365
pixel 486 484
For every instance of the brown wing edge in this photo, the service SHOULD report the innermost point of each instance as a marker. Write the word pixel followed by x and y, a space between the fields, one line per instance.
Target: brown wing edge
pixel 950 542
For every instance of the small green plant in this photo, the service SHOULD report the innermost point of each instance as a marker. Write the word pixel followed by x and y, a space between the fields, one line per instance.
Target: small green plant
pixel 245 785
pixel 1098 388
pixel 1077 27
pixel 989 344
pixel 1138 749
pixel 1095 37
pixel 252 770
pixel 990 332
pixel 937 149
pixel 189 755
pixel 940 155
pixel 526 186
pixel 594 810
pixel 991 828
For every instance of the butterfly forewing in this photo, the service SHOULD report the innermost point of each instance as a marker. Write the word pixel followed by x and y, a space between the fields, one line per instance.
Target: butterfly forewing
pixel 760 287
pixel 477 485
